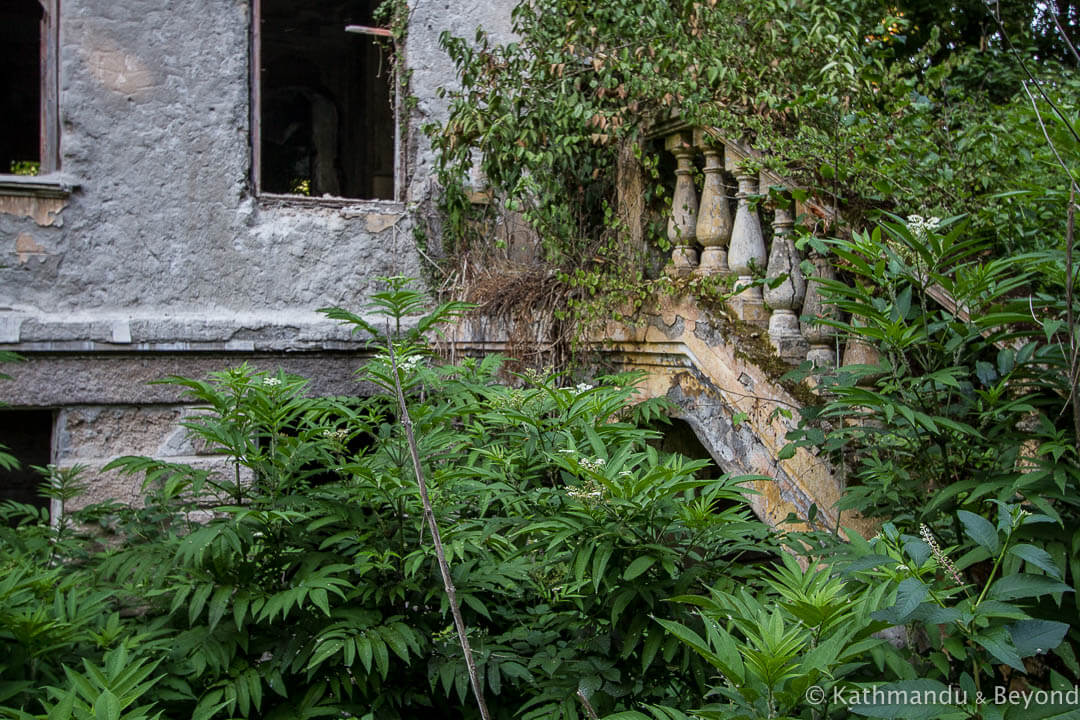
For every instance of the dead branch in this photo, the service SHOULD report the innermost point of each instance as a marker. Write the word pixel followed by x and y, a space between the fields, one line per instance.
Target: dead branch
pixel 429 515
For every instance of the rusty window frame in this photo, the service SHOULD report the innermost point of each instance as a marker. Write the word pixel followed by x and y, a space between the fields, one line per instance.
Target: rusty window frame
pixel 255 119
pixel 48 93
pixel 50 101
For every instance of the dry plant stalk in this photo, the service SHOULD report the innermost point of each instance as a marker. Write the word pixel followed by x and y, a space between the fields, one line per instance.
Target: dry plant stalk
pixel 429 514
pixel 588 706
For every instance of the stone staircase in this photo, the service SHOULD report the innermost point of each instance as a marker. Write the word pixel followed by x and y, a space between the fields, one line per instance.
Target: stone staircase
pixel 722 368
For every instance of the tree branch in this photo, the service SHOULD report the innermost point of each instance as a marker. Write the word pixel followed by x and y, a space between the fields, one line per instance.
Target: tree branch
pixel 429 515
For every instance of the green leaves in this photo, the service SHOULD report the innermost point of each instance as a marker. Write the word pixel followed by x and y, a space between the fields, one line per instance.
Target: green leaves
pixel 1025 585
pixel 638 566
pixel 921 699
pixel 909 595
pixel 1037 557
pixel 108 692
pixel 1032 637
pixel 802 634
pixel 300 581
pixel 998 643
pixel 980 530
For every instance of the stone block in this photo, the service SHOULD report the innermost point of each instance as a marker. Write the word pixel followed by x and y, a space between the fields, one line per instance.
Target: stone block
pixel 111 431
pixel 102 485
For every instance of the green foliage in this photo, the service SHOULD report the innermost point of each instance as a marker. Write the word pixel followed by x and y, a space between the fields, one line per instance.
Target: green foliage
pixel 804 629
pixel 937 415
pixel 805 642
pixel 108 692
pixel 872 106
pixel 7 460
pixel 983 617
pixel 299 582
pixel 53 610
pixel 1010 617
pixel 962 407
pixel 957 431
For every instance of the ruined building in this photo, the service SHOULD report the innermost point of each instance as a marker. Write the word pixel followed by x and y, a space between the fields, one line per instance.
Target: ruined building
pixel 182 185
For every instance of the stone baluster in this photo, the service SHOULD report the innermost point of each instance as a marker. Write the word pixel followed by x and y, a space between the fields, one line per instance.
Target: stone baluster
pixel 682 225
pixel 785 298
pixel 714 217
pixel 821 337
pixel 747 253
pixel 860 352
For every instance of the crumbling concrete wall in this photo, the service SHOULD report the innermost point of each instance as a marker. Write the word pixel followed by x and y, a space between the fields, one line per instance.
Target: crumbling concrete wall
pixel 150 254
pixel 162 224
pixel 90 437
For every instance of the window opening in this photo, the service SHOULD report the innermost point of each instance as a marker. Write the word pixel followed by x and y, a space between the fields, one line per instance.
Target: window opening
pixel 28 436
pixel 28 87
pixel 324 122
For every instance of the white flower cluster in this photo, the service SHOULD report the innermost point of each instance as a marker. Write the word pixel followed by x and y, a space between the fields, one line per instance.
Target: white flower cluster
pixel 583 387
pixel 339 435
pixel 594 465
pixel 410 363
pixel 271 381
pixel 591 464
pixel 589 492
pixel 513 400
pixel 920 226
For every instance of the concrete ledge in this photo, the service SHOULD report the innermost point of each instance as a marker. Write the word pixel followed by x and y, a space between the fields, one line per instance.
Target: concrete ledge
pixel 53 185
pixel 271 331
pixel 48 380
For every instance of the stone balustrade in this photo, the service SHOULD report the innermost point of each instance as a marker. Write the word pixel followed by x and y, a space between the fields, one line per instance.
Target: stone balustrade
pixel 770 290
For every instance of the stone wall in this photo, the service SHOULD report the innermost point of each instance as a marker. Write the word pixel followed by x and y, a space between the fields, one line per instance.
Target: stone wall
pixel 94 435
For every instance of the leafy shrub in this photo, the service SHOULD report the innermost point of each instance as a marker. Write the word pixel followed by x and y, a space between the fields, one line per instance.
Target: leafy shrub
pixel 956 434
pixel 961 408
pixel 301 583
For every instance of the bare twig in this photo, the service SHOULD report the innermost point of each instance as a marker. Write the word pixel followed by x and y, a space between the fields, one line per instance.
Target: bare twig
pixel 1032 78
pixel 429 515
pixel 1068 43
pixel 1070 232
pixel 588 706
pixel 1074 365
pixel 1046 134
pixel 1070 317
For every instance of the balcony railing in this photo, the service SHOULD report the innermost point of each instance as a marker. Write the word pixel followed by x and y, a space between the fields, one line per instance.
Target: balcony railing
pixel 735 245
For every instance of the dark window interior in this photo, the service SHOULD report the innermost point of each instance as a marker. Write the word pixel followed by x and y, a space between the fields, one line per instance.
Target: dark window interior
pixel 20 86
pixel 326 125
pixel 28 436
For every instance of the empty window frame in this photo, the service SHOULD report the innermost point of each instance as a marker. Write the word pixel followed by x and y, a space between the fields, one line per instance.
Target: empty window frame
pixel 28 87
pixel 323 116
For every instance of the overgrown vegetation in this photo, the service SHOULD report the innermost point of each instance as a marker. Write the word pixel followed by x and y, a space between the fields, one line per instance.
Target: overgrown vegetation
pixel 871 106
pixel 965 111
pixel 301 582
pixel 597 575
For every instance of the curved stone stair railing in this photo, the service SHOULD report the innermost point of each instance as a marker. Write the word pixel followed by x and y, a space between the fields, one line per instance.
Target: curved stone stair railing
pixel 700 361
pixel 702 364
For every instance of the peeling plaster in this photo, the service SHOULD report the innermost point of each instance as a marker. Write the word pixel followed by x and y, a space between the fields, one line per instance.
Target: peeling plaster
pixel 26 246
pixel 115 68
pixel 45 211
pixel 377 222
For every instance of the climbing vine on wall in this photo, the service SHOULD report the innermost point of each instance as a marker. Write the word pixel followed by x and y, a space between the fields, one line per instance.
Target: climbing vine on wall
pixel 870 105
